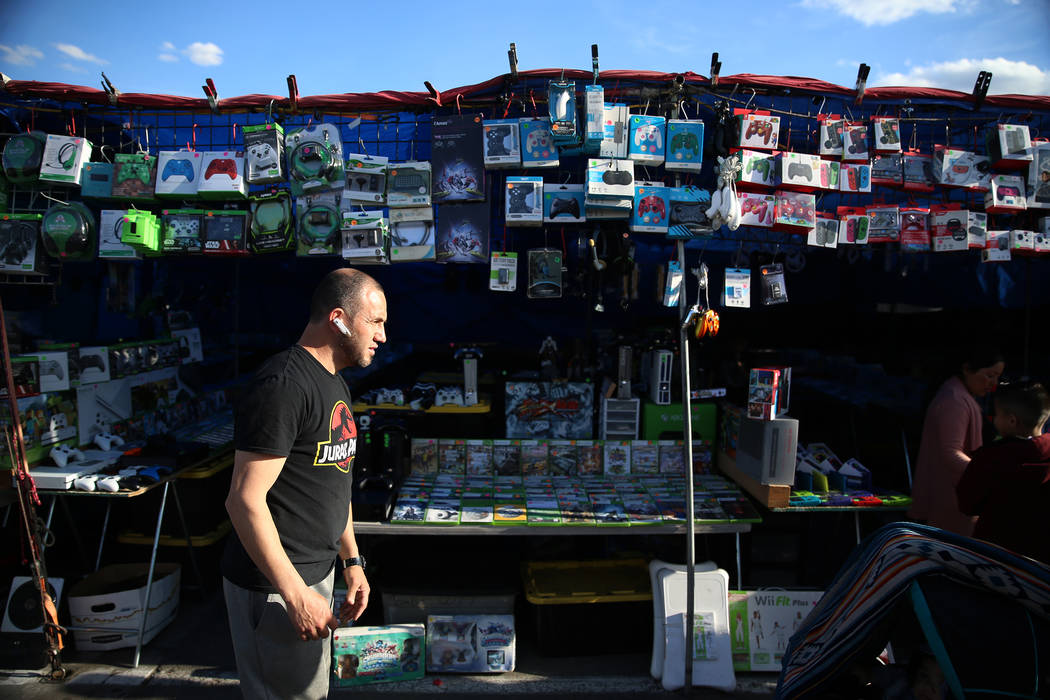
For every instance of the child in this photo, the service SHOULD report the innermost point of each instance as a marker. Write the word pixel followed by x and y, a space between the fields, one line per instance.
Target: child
pixel 1007 483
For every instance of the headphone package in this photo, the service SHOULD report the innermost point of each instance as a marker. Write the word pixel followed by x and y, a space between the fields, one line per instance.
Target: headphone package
pixel 314 156
pixel 264 153
pixel 412 234
pixel 270 222
pixel 19 239
pixel 64 158
pixel 110 229
pixel 318 224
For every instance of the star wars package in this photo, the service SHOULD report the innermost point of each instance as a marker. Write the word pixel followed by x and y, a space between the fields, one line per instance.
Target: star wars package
pixel 412 234
pixel 500 143
pixel 180 231
pixel 374 654
pixel 457 159
pixel 463 233
pixel 225 232
pixel 264 153
pixel 366 178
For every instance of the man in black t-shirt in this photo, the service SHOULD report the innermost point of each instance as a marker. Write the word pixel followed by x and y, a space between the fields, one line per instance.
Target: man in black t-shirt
pixel 289 498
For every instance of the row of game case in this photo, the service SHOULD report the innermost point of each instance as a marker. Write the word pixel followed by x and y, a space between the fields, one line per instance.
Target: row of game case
pixel 593 501
pixel 556 457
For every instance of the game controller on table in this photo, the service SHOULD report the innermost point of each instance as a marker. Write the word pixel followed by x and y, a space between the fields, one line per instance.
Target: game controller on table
pixel 107 441
pixel 221 166
pixel 449 396
pixel 64 454
pixel 649 137
pixel 652 205
pixel 178 166
pixel 91 361
pixel 376 397
pixel 52 368
pixel 538 142
pixel 800 170
pixel 685 141
pixel 759 127
pixel 133 171
pixel 565 205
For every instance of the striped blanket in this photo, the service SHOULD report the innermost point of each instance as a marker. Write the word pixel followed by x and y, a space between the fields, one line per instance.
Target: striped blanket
pixel 871 582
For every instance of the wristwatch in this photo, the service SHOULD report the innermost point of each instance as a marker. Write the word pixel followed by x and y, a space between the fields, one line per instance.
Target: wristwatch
pixel 359 560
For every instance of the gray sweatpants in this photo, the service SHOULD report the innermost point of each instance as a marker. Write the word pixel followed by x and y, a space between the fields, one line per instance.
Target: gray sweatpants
pixel 272 662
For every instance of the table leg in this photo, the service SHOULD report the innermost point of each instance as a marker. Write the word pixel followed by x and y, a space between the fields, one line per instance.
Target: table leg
pixel 102 537
pixel 149 575
pixel 856 524
pixel 189 539
pixel 51 511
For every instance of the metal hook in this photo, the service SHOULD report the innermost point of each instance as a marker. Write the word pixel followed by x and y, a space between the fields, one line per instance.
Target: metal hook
pixel 750 99
pixel 269 112
pixel 820 110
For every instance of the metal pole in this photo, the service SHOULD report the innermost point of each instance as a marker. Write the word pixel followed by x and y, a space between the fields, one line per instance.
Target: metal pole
pixel 149 575
pixel 687 434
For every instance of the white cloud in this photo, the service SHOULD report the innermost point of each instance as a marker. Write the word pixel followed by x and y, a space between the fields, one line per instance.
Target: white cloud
pixel 168 57
pixel 20 55
pixel 73 69
pixel 167 46
pixel 1008 77
pixel 79 54
pixel 875 12
pixel 204 54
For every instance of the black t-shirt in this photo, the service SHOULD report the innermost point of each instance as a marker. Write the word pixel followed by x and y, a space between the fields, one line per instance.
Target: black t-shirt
pixel 296 408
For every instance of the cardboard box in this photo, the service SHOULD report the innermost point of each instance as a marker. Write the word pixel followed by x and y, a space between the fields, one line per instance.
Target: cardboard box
pixel 64 158
pixel 1037 190
pixel 614 131
pixel 223 176
pixel 411 234
pixel 502 147
pixel 110 228
pixel 113 597
pixel 478 643
pixel 179 173
pixel 96 180
pixel 799 171
pixel 758 130
pixel 375 654
pixel 563 204
pixel 685 145
pixel 538 149
pixel 651 205
pixel 762 622
pixel 648 139
pixel 1007 194
pixel 20 243
pixel 457 158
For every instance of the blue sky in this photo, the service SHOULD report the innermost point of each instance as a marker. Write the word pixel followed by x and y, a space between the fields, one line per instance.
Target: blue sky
pixel 331 47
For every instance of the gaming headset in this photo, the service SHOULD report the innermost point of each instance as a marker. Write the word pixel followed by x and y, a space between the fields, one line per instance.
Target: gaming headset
pixel 23 155
pixel 270 217
pixel 67 156
pixel 68 232
pixel 311 160
pixel 320 225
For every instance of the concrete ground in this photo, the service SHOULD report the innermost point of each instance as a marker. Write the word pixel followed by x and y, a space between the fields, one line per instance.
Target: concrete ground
pixel 193 658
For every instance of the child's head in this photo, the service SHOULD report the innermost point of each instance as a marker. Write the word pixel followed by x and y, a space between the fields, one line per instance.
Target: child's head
pixel 1021 409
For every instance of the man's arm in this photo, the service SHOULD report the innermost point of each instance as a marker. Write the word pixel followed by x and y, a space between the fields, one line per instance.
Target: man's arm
pixel 356 584
pixel 253 475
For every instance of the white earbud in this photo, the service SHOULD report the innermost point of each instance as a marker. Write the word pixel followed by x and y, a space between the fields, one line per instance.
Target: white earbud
pixel 342 327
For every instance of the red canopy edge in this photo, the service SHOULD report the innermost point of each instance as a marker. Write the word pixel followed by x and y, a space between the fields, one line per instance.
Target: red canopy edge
pixel 393 100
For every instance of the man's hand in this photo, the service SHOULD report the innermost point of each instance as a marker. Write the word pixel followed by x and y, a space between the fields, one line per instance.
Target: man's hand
pixel 356 594
pixel 311 614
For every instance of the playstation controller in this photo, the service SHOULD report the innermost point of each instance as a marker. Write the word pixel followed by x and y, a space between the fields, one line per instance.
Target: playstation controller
pixel 178 166
pixel 565 205
pixel 221 166
pixel 64 454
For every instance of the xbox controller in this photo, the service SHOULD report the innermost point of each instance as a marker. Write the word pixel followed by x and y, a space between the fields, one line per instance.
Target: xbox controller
pixel 449 396
pixel 565 205
pixel 538 143
pixel 64 454
pixel 178 166
pixel 648 138
pixel 800 170
pixel 496 136
pixel 107 441
pixel 132 171
pixel 760 127
pixel 52 368
pixel 685 141
pixel 221 166
pixel 88 361
pixel 261 156
pixel 652 205
pixel 617 177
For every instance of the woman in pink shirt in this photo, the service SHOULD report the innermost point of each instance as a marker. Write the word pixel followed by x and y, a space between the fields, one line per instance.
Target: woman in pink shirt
pixel 951 432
